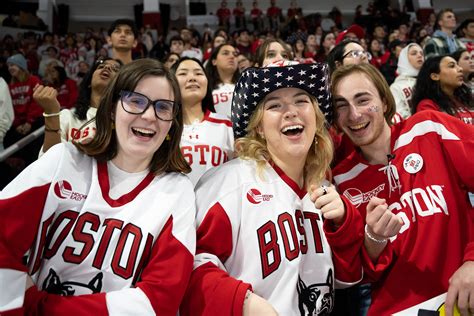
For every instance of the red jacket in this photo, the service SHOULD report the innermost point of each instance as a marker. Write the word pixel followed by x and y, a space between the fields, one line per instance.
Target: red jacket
pixel 26 109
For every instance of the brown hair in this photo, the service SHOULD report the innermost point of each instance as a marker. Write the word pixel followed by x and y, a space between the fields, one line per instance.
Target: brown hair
pixel 317 164
pixel 103 147
pixel 377 79
pixel 440 16
pixel 263 49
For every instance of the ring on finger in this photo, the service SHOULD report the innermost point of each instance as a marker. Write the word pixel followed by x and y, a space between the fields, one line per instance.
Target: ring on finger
pixel 325 190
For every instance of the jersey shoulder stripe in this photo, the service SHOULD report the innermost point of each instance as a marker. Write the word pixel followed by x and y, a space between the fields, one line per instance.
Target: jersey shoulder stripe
pixel 351 174
pixel 423 128
pixel 217 118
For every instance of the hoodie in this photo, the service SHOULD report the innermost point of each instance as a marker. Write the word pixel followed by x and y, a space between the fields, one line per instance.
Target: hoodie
pixel 402 87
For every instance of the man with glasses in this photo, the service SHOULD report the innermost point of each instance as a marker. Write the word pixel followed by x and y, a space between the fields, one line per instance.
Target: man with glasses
pixel 347 52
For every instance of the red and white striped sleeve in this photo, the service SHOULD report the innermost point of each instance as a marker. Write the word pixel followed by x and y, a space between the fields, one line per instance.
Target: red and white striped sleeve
pixel 22 204
pixel 211 290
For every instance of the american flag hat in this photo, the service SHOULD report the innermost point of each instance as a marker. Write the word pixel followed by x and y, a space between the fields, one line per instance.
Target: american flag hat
pixel 255 83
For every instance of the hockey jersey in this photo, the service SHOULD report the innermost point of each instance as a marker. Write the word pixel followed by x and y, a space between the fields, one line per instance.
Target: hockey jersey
pixel 222 97
pixel 207 144
pixel 426 183
pixel 91 254
pixel 262 231
pixel 402 90
pixel 70 126
pixel 462 112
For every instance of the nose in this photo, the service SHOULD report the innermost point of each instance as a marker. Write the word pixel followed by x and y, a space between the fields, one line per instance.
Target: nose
pixel 354 112
pixel 291 111
pixel 149 114
pixel 108 67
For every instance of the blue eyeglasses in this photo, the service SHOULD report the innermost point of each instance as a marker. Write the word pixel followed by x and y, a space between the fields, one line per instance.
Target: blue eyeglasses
pixel 137 103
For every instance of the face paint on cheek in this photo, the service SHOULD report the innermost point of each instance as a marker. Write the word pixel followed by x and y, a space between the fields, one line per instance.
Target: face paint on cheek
pixel 373 108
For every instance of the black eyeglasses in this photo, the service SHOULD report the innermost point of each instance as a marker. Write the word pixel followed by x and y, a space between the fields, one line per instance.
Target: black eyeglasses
pixel 357 54
pixel 137 103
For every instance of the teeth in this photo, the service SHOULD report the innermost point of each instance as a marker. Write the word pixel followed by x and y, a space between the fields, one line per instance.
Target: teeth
pixel 358 126
pixel 292 127
pixel 143 131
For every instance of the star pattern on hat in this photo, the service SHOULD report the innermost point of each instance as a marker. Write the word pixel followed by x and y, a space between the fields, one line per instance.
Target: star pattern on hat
pixel 255 83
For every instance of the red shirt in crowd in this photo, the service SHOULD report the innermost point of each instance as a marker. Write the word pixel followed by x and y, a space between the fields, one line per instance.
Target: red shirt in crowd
pixel 25 108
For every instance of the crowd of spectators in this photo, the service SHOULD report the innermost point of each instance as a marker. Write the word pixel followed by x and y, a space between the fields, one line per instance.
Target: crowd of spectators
pixel 383 36
pixel 57 80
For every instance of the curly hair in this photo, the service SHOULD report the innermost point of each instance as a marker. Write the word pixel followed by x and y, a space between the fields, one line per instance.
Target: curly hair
pixel 427 88
pixel 83 101
pixel 320 154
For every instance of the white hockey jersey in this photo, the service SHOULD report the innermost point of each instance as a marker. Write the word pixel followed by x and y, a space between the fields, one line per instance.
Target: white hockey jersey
pixel 70 126
pixel 222 97
pixel 207 144
pixel 131 254
pixel 265 233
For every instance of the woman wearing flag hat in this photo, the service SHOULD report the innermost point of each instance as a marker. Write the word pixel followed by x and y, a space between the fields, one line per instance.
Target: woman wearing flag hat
pixel 262 245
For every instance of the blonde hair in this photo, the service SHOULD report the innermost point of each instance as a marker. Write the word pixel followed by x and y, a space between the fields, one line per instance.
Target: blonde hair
pixel 320 154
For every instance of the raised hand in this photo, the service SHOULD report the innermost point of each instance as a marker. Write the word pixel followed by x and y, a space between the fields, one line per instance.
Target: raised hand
pixel 381 222
pixel 46 97
pixel 329 202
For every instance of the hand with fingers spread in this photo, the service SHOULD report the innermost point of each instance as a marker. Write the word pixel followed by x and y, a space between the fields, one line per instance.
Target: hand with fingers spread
pixel 329 202
pixel 461 290
pixel 381 224
pixel 46 97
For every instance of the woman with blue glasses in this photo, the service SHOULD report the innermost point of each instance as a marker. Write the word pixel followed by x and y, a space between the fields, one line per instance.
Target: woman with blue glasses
pixel 108 225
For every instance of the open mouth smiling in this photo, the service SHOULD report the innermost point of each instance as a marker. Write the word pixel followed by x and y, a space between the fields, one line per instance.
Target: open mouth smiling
pixel 292 130
pixel 358 127
pixel 143 132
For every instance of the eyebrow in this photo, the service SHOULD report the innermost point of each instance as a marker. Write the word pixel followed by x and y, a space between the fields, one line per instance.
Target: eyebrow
pixel 357 95
pixel 188 69
pixel 294 96
pixel 361 94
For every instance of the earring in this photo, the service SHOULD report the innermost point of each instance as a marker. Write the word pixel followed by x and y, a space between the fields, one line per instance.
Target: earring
pixel 316 141
pixel 168 137
pixel 112 125
pixel 262 135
